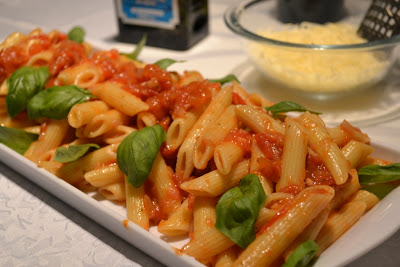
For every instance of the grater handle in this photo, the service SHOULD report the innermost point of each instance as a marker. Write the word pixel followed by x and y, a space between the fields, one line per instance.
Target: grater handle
pixel 381 21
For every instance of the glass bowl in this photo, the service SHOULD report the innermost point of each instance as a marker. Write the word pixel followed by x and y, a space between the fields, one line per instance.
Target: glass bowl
pixel 318 71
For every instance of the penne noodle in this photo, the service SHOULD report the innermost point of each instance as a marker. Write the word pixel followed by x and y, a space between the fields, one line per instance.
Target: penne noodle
pixel 207 245
pixel 257 119
pixel 135 205
pixel 293 158
pixel 205 145
pixel 356 152
pixel 179 221
pixel 214 183
pixel 166 191
pixel 277 236
pixel 204 215
pixel 185 164
pixel 104 176
pixel 104 122
pixel 82 114
pixel 338 223
pixel 226 155
pixel 179 128
pixel 320 141
pixel 113 192
pixel 118 98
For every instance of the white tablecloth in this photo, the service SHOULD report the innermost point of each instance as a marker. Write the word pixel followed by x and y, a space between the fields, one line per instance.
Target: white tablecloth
pixel 36 228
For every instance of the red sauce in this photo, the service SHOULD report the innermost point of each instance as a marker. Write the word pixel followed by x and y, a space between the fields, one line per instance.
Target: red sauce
pixel 237 99
pixel 125 224
pixel 241 138
pixel 42 42
pixel 67 54
pixel 271 145
pixel 152 209
pixel 317 171
pixel 11 59
pixel 293 189
pixel 106 62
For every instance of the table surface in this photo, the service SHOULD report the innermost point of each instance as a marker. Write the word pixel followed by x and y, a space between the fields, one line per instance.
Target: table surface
pixel 38 229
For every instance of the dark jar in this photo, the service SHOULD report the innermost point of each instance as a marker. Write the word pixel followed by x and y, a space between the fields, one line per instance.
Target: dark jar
pixel 317 11
pixel 171 24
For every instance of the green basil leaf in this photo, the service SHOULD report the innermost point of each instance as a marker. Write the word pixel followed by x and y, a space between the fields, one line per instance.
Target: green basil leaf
pixel 135 53
pixel 238 209
pixel 287 106
pixel 22 85
pixel 72 153
pixel 228 78
pixel 16 139
pixel 380 190
pixel 302 256
pixel 379 174
pixel 165 63
pixel 136 153
pixel 77 34
pixel 56 102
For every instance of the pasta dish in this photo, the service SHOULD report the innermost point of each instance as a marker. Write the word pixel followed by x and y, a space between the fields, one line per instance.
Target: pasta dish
pixel 194 157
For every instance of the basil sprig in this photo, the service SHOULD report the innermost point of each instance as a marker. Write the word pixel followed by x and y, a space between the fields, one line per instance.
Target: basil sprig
pixel 227 79
pixel 74 152
pixel 238 209
pixel 136 153
pixel 22 85
pixel 56 102
pixel 287 106
pixel 379 174
pixel 380 190
pixel 135 53
pixel 165 63
pixel 76 34
pixel 16 139
pixel 302 256
pixel 379 179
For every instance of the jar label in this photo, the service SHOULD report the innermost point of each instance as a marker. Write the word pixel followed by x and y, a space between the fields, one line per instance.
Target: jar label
pixel 151 13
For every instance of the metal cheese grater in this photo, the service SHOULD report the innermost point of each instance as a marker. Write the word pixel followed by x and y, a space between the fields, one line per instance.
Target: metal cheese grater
pixel 381 21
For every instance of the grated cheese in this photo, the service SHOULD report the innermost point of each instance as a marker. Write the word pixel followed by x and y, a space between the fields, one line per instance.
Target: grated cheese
pixel 319 71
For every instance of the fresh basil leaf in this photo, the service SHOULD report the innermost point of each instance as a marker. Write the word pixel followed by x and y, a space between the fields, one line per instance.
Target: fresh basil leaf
pixel 22 85
pixel 72 153
pixel 380 190
pixel 287 106
pixel 238 209
pixel 56 102
pixel 379 174
pixel 16 139
pixel 77 34
pixel 136 153
pixel 165 63
pixel 302 256
pixel 228 78
pixel 135 53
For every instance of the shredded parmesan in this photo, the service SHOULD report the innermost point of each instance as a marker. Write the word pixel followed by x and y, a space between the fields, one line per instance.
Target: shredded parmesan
pixel 319 71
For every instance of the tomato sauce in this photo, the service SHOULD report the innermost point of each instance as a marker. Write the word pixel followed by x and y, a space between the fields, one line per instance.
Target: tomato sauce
pixel 317 171
pixel 293 189
pixel 67 54
pixel 11 59
pixel 271 145
pixel 241 138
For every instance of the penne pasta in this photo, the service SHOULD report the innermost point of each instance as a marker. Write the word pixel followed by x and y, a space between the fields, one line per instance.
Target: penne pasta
pixel 277 236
